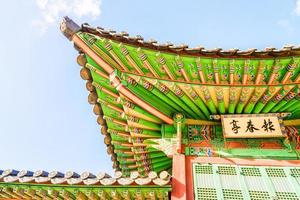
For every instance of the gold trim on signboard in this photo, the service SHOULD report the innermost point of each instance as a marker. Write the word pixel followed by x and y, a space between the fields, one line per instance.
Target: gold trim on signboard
pixel 257 133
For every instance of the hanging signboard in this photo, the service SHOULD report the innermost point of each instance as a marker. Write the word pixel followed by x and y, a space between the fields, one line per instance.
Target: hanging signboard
pixel 252 126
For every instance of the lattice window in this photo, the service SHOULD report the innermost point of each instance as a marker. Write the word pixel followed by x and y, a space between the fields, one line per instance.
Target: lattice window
pixel 203 169
pixel 259 195
pixel 206 193
pixel 226 170
pixel 275 172
pixel 295 172
pixel 250 171
pixel 287 196
pixel 253 179
pixel 230 194
pixel 233 182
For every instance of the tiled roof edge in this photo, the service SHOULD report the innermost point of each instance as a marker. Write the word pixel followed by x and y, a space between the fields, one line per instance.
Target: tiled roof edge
pixel 86 178
pixel 124 37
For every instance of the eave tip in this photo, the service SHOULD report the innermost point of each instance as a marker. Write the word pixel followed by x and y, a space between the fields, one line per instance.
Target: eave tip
pixel 68 27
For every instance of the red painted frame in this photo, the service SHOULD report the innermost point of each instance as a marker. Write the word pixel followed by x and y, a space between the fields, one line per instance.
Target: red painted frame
pixel 182 179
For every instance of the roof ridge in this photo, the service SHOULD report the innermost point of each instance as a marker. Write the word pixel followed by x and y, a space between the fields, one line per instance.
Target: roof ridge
pixel 86 178
pixel 138 40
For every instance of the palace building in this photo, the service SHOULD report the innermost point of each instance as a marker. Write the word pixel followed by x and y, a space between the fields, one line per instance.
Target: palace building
pixel 181 123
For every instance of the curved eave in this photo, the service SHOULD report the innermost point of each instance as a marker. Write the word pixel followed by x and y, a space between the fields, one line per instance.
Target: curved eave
pixel 118 119
pixel 138 41
pixel 25 184
pixel 160 88
pixel 85 178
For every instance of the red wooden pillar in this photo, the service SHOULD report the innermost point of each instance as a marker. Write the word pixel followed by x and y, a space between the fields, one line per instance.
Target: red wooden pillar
pixel 178 178
pixel 189 178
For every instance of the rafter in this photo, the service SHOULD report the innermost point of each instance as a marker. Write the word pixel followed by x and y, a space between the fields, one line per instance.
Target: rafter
pixel 109 48
pixel 126 53
pixel 116 82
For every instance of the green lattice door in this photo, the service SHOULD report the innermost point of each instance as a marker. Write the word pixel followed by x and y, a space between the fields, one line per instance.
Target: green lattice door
pixel 230 182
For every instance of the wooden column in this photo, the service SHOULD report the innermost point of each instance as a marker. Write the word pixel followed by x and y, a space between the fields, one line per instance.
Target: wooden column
pixel 178 178
pixel 189 177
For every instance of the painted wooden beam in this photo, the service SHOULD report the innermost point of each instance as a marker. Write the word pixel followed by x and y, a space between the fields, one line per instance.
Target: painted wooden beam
pixel 292 122
pixel 125 52
pixel 109 48
pixel 116 81
pixel 201 122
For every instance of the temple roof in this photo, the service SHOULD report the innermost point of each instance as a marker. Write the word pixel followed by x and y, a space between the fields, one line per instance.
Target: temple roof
pixel 137 87
pixel 17 184
pixel 85 178
pixel 184 49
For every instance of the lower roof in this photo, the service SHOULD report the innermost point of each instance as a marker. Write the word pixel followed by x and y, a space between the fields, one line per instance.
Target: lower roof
pixel 26 185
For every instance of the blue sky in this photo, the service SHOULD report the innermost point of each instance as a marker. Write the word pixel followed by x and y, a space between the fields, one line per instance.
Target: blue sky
pixel 45 119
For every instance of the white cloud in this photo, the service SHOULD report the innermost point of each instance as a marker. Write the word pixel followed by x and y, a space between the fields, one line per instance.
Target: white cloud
pixel 51 11
pixel 87 7
pixel 297 8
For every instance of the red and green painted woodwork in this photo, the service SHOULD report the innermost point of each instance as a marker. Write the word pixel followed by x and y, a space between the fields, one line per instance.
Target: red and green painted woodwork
pixel 209 141
pixel 41 184
pixel 185 82
pixel 17 190
pixel 120 125
pixel 197 86
pixel 170 97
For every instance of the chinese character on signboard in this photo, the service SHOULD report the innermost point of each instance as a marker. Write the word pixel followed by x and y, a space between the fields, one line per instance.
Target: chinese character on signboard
pixel 251 126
